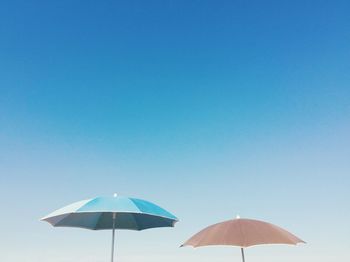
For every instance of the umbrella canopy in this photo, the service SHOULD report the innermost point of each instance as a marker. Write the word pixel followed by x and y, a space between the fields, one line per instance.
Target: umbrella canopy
pixel 242 233
pixel 97 213
pixel 112 213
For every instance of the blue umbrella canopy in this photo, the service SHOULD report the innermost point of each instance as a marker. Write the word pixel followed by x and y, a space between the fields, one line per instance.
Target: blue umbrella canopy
pixel 97 214
pixel 115 212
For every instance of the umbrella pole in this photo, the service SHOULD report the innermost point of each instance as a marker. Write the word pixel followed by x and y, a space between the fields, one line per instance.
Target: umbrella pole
pixel 113 233
pixel 242 251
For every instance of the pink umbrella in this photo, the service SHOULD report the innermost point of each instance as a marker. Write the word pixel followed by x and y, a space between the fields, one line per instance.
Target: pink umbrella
pixel 242 233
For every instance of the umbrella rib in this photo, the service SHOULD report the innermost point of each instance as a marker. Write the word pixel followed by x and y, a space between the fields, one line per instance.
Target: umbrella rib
pixel 292 238
pixel 98 220
pixel 242 235
pixel 136 224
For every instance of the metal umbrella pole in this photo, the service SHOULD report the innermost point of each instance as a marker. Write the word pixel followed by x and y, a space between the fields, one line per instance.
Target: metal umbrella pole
pixel 113 233
pixel 242 251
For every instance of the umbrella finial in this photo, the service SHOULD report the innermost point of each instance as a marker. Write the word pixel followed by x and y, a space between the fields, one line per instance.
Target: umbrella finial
pixel 238 217
pixel 115 195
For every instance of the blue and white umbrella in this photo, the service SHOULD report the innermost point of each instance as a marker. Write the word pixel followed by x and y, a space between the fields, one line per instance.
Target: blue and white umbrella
pixel 112 213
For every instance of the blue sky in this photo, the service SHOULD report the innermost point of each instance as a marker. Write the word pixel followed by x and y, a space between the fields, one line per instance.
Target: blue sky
pixel 208 109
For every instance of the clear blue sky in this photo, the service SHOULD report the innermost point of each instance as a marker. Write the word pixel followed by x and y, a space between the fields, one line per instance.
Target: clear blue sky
pixel 207 108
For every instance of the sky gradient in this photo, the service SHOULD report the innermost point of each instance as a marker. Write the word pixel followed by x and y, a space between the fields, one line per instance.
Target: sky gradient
pixel 208 109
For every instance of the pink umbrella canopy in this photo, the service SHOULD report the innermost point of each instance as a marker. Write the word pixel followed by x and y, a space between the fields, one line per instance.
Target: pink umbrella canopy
pixel 242 233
